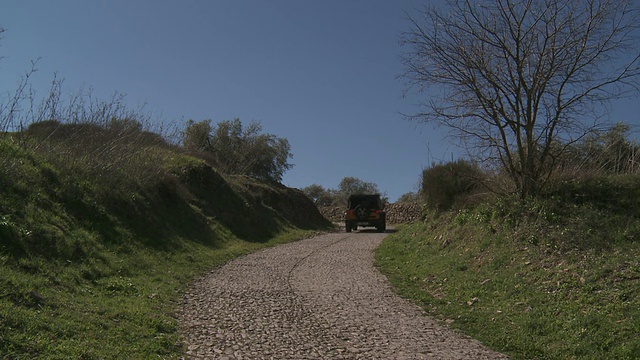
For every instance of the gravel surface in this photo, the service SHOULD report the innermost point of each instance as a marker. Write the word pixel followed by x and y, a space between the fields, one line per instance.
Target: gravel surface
pixel 319 298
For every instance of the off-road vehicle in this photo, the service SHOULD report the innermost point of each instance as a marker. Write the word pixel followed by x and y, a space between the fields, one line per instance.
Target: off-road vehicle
pixel 365 210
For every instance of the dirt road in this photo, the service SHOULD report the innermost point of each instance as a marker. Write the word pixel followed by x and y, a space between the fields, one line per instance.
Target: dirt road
pixel 319 298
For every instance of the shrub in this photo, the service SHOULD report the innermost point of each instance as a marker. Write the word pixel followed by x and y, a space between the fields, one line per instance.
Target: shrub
pixel 195 136
pixel 444 186
pixel 319 195
pixel 237 150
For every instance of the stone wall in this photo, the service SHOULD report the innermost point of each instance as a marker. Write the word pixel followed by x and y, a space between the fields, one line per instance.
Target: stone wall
pixel 397 213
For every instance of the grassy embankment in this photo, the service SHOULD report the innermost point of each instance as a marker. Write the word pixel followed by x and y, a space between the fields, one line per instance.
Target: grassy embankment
pixel 103 226
pixel 554 278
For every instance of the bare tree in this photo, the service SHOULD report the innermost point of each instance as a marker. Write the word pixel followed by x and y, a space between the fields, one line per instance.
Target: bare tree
pixel 519 81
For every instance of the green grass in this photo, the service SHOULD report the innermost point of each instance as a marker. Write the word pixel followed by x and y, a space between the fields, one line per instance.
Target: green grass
pixel 118 303
pixel 545 280
pixel 96 251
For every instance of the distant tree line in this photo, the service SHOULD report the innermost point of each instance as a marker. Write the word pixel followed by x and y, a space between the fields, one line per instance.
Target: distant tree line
pixel 339 196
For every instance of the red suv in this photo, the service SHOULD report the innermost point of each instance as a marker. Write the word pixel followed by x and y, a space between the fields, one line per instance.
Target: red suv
pixel 365 210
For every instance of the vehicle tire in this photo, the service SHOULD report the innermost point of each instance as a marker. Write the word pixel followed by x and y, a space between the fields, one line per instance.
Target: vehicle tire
pixel 382 224
pixel 361 212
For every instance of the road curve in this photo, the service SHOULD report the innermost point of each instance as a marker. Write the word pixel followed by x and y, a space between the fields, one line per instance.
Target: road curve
pixel 318 298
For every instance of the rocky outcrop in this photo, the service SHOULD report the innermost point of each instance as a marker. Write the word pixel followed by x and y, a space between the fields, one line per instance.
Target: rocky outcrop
pixel 397 213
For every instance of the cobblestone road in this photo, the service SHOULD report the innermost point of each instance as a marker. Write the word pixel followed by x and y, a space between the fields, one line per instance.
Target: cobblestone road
pixel 319 298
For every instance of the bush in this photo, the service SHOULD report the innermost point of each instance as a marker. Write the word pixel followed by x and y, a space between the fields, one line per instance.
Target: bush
pixel 237 150
pixel 319 195
pixel 444 186
pixel 196 135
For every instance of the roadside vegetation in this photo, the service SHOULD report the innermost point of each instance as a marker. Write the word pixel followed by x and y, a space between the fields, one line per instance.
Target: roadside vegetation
pixel 551 277
pixel 103 223
pixel 532 243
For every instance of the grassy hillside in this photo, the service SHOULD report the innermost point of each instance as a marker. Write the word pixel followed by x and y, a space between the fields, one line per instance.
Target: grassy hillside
pixel 101 227
pixel 554 278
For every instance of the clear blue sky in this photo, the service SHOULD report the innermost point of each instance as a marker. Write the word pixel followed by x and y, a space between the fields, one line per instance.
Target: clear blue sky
pixel 320 73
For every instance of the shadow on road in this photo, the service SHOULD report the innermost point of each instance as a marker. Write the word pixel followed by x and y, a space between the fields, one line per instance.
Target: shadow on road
pixel 372 231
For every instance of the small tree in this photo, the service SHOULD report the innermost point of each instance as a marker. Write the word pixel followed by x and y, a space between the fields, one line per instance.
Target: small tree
pixel 195 136
pixel 319 195
pixel 240 150
pixel 516 78
pixel 354 186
